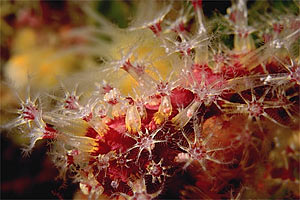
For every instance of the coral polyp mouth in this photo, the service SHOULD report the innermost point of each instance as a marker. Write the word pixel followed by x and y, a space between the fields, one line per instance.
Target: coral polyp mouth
pixel 179 109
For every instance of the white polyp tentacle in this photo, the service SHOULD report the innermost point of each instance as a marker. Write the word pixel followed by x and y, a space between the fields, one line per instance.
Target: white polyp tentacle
pixel 189 161
pixel 164 110
pixel 137 72
pixel 197 127
pixel 34 135
pixel 201 56
pixel 200 17
pixel 188 141
pixel 216 161
pixel 165 106
pixel 133 120
pixel 268 50
pixel 183 117
pixel 144 141
pixel 14 123
pixel 105 24
pixel 84 144
pixel 146 18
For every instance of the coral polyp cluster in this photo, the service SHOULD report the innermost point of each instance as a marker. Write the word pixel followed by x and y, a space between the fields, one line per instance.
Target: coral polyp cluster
pixel 177 113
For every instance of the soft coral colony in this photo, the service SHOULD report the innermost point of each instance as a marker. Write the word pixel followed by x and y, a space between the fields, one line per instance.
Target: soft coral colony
pixel 180 113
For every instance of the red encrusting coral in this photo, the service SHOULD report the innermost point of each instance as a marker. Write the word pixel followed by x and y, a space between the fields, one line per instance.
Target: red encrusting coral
pixel 213 128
